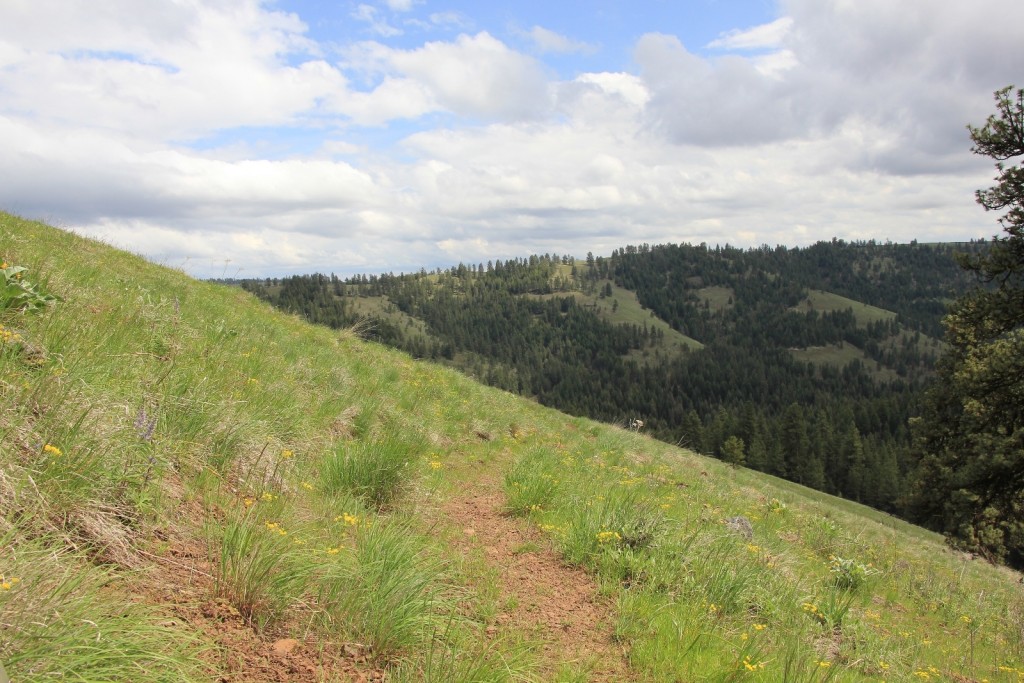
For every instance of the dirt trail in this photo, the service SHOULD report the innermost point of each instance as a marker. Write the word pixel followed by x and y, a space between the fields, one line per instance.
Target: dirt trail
pixel 555 603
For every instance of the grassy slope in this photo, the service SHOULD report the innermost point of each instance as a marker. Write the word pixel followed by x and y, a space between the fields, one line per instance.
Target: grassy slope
pixel 630 311
pixel 833 354
pixel 839 356
pixel 827 301
pixel 289 464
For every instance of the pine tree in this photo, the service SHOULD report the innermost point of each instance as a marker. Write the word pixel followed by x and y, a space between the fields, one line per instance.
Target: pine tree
pixel 803 464
pixel 732 451
pixel 970 438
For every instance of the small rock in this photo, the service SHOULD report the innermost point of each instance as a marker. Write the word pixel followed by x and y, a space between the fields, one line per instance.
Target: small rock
pixel 469 531
pixel 285 646
pixel 741 525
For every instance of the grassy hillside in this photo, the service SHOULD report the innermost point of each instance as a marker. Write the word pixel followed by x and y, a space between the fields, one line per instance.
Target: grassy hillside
pixel 195 487
pixel 820 301
pixel 622 307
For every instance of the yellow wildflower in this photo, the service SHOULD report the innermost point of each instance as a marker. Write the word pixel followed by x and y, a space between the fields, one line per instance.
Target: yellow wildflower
pixel 52 450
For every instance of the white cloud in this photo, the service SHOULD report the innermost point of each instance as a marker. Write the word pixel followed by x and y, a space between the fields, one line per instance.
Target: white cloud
pixel 627 86
pixel 378 25
pixel 769 35
pixel 213 68
pixel 725 102
pixel 450 20
pixel 477 76
pixel 546 40
pixel 400 5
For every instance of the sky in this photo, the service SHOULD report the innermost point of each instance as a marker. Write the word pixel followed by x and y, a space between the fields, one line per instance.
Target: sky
pixel 259 138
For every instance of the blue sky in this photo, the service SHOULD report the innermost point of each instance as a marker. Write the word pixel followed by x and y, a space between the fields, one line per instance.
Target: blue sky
pixel 253 138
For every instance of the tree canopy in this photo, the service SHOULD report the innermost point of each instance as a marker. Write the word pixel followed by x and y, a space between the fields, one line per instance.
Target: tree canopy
pixel 970 438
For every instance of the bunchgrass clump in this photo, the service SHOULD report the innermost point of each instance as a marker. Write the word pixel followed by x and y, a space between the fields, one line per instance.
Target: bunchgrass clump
pixel 531 484
pixel 452 657
pixel 374 470
pixel 261 563
pixel 385 591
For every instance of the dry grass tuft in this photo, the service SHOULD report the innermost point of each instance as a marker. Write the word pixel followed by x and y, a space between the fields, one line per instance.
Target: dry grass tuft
pixel 343 426
pixel 110 539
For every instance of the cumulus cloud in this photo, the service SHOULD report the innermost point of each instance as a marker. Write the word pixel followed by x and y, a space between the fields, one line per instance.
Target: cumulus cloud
pixel 838 119
pixel 909 69
pixel 208 69
pixel 477 76
pixel 400 5
pixel 725 102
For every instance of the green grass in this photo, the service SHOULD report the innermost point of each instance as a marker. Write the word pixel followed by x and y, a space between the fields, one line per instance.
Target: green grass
pixel 623 307
pixel 823 302
pixel 381 307
pixel 841 355
pixel 717 298
pixel 145 411
pixel 824 589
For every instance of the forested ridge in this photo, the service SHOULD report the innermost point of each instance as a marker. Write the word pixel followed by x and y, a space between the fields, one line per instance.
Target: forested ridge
pixel 803 363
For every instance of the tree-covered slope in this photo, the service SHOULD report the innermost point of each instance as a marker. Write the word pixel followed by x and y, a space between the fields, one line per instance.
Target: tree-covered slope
pixel 833 338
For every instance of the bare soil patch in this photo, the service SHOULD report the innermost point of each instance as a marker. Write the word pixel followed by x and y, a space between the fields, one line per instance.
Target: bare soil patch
pixel 553 602
pixel 180 581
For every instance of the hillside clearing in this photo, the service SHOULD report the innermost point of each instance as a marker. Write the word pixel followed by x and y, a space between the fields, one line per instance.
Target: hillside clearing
pixel 820 301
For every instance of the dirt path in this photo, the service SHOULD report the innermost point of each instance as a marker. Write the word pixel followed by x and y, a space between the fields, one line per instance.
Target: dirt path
pixel 555 603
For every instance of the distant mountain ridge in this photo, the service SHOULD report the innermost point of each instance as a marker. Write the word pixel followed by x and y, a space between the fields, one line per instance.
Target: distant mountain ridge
pixel 811 359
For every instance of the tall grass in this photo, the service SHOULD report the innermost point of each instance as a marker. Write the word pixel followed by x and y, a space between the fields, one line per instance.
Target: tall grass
pixel 57 622
pixel 143 404
pixel 374 471
pixel 387 593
